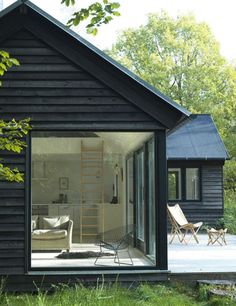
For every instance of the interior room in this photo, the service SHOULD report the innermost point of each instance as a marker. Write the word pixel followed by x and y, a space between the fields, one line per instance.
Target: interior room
pixel 93 201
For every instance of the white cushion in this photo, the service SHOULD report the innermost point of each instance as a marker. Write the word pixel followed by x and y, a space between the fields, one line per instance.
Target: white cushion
pixel 60 222
pixel 49 234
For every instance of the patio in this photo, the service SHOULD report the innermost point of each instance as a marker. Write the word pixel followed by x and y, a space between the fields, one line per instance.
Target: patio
pixel 201 257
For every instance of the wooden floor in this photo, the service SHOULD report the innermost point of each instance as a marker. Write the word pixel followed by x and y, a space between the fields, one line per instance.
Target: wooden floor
pixel 195 257
pixel 48 259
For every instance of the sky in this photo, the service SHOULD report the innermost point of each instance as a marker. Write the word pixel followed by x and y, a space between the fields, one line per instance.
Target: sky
pixel 220 15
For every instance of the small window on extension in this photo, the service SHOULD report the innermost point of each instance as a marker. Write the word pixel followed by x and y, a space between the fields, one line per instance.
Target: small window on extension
pixel 174 184
pixel 192 184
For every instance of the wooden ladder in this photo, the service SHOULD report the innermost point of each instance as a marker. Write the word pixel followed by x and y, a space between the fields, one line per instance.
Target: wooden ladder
pixel 91 189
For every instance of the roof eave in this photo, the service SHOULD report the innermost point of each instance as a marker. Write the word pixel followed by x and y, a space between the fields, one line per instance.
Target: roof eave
pixel 198 158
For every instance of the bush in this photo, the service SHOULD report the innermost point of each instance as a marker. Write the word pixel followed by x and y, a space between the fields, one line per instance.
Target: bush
pixel 229 219
pixel 230 175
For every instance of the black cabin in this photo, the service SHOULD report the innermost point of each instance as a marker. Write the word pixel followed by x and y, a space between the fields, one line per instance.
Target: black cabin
pixel 95 165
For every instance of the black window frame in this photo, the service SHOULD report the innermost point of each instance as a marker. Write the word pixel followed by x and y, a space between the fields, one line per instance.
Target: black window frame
pixel 161 260
pixel 178 181
pixel 183 175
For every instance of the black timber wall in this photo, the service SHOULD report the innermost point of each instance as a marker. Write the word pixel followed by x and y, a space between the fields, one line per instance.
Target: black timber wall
pixel 50 89
pixel 12 219
pixel 55 94
pixel 210 208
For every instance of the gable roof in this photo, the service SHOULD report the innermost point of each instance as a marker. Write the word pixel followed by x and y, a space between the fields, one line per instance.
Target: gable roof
pixel 196 138
pixel 24 14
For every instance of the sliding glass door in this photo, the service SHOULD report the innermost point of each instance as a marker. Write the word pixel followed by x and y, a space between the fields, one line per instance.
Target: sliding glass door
pixel 141 193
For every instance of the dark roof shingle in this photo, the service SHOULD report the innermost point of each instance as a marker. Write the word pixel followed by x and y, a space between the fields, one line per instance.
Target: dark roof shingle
pixel 196 138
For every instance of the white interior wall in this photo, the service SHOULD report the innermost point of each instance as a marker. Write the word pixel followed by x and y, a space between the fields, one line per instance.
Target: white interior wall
pixel 46 189
pixel 62 159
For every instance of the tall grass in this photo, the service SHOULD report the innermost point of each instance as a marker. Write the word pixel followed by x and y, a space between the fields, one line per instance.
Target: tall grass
pixel 143 295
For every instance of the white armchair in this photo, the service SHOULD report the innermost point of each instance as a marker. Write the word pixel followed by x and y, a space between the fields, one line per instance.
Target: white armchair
pixel 51 233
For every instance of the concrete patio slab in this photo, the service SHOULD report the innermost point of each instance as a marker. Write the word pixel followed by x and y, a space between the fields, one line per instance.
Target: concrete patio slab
pixel 200 257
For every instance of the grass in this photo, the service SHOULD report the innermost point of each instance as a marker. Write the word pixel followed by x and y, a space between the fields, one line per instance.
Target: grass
pixel 143 295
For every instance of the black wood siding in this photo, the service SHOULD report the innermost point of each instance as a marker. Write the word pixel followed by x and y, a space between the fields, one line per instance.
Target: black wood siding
pixel 210 208
pixel 54 93
pixel 50 89
pixel 12 219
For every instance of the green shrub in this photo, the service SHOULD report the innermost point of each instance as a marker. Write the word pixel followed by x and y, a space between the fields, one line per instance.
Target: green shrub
pixel 229 219
pixel 230 175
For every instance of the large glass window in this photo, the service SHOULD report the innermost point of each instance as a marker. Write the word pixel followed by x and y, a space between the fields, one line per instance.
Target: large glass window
pixel 174 183
pixel 192 184
pixel 81 197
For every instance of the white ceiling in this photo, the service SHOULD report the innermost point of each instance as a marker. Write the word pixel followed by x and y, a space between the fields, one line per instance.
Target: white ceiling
pixel 114 142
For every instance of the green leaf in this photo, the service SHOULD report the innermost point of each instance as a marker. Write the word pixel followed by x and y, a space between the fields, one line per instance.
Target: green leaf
pixel 116 13
pixel 3 67
pixel 68 2
pixel 4 54
pixel 115 5
pixel 95 30
pixel 92 30
pixel 15 62
pixel 108 9
pixel 107 19
pixel 76 21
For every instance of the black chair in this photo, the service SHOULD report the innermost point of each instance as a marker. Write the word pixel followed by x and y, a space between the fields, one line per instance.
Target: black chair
pixel 115 241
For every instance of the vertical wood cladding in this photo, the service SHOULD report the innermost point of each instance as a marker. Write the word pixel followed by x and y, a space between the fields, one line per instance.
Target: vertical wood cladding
pixel 52 91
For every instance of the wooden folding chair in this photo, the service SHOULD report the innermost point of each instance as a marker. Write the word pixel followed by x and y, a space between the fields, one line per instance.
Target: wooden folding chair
pixel 180 227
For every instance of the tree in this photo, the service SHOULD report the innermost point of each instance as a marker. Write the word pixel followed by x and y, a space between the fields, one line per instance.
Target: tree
pixel 99 14
pixel 11 132
pixel 181 58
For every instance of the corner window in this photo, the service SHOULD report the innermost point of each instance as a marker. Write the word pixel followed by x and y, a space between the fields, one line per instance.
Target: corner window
pixel 192 184
pixel 78 200
pixel 174 184
pixel 184 184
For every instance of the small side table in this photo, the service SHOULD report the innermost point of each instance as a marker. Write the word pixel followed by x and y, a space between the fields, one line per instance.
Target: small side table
pixel 216 236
